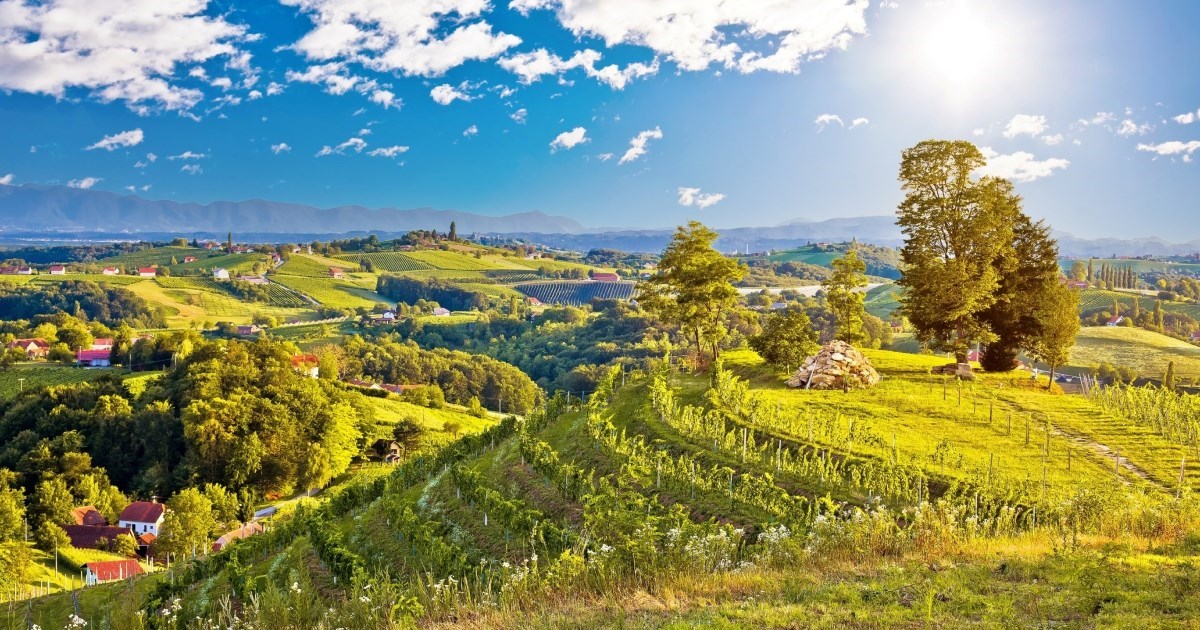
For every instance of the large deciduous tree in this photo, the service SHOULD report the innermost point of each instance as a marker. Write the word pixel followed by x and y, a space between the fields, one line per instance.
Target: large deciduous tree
pixel 1029 272
pixel 846 304
pixel 693 288
pixel 786 339
pixel 955 227
pixel 188 523
pixel 1058 323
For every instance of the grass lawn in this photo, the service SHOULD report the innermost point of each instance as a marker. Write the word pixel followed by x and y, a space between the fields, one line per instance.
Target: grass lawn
pixel 390 410
pixel 1145 351
pixel 185 307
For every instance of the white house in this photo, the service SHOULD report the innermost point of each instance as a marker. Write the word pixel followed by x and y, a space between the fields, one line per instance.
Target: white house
pixel 143 517
pixel 220 274
pixel 58 270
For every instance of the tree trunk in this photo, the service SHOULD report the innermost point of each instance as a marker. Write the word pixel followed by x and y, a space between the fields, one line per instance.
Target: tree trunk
pixel 960 356
pixel 1050 385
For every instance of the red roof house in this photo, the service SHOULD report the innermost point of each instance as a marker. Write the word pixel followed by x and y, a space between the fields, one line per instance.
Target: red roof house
pixel 98 572
pixel 306 364
pixel 33 348
pixel 143 516
pixel 245 531
pixel 89 536
pixel 147 272
pixel 334 272
pixel 94 358
pixel 189 259
pixel 88 515
pixel 58 270
pixel 605 277
pixel 102 343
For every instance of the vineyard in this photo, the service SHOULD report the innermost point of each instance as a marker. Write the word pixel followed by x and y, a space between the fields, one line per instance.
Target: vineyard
pixel 1099 299
pixel 1145 351
pixel 457 261
pixel 576 293
pixel 235 264
pixel 331 292
pixel 277 294
pixel 160 256
pixel 386 261
pixel 312 266
pixel 882 301
pixel 116 281
pixel 38 376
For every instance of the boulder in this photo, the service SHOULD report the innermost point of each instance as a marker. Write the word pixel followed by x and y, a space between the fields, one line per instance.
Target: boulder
pixel 838 365
pixel 961 370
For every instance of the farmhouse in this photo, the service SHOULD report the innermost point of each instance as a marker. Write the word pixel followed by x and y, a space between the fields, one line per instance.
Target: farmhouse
pixel 245 531
pixel 605 277
pixel 1116 320
pixel 143 517
pixel 33 348
pixel 100 572
pixel 94 536
pixel 388 451
pixel 534 302
pixel 16 271
pixel 441 312
pixel 102 343
pixel 111 271
pixel 189 259
pixel 246 331
pixel 220 274
pixel 147 272
pixel 94 358
pixel 335 272
pixel 306 364
pixel 1077 284
pixel 58 270
pixel 88 515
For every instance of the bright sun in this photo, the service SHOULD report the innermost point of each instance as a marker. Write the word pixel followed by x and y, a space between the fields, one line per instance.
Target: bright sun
pixel 959 50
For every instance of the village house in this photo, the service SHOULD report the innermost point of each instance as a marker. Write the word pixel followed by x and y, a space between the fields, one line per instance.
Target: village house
pixel 94 358
pixel 335 272
pixel 143 517
pixel 189 259
pixel 102 343
pixel 110 570
pixel 147 272
pixel 306 364
pixel 16 271
pixel 88 515
pixel 441 312
pixel 33 348
pixel 220 274
pixel 58 270
pixel 388 451
pixel 111 271
pixel 534 301
pixel 1196 336
pixel 94 536
pixel 599 276
pixel 1116 320
pixel 246 331
pixel 245 531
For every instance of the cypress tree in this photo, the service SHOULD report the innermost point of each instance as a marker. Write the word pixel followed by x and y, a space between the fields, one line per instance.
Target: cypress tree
pixel 1169 378
pixel 1137 309
pixel 1116 307
pixel 1158 315
pixel 1091 277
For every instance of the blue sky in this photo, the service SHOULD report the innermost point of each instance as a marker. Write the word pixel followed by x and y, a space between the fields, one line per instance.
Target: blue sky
pixel 632 113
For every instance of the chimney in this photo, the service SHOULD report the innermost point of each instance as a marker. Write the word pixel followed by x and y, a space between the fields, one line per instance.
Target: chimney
pixel 154 498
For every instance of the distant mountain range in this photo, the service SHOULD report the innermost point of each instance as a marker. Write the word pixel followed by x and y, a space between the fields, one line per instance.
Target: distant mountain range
pixel 32 213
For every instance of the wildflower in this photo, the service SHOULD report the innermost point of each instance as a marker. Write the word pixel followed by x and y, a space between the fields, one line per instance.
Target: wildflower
pixel 364 599
pixel 605 548
pixel 506 565
pixel 296 587
pixel 75 621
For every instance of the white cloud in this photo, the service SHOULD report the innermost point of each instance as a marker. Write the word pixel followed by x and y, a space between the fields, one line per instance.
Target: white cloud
pixel 191 169
pixel 274 89
pixel 355 143
pixel 1100 118
pixel 332 76
pixel 254 95
pixel 1019 166
pixel 186 155
pixel 532 66
pixel 134 189
pixel 1053 140
pixel 569 139
pixel 385 98
pixel 1186 119
pixel 222 82
pixel 693 197
pixel 604 157
pixel 858 122
pixel 130 138
pixel 1173 147
pixel 824 120
pixel 637 145
pixel 470 131
pixel 388 152
pixel 445 94
pixel 6 180
pixel 520 116
pixel 85 183
pixel 125 50
pixel 282 147
pixel 365 131
pixel 152 157
pixel 1025 124
pixel 695 34
pixel 979 131
pixel 1129 128
pixel 414 37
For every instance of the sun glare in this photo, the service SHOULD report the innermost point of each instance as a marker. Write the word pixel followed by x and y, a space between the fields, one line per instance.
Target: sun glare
pixel 959 51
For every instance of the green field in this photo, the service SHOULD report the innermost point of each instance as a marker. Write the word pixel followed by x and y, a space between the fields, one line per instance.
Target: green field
pixel 576 292
pixel 37 375
pixel 1139 266
pixel 312 266
pixel 234 263
pixel 160 256
pixel 279 296
pixel 386 261
pixel 811 255
pixel 332 292
pixel 1145 351
pixel 882 301
pixel 116 281
pixel 186 307
pixel 437 259
pixel 1097 299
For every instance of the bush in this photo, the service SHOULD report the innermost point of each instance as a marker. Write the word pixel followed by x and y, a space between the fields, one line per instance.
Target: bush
pixel 49 537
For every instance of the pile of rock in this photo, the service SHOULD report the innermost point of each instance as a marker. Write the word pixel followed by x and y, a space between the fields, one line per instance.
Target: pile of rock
pixel 960 370
pixel 837 366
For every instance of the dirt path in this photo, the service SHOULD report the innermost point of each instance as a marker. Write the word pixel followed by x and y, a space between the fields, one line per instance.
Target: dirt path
pixel 1103 451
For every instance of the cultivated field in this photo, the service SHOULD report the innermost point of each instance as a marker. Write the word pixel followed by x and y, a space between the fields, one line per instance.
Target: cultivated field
pixel 576 292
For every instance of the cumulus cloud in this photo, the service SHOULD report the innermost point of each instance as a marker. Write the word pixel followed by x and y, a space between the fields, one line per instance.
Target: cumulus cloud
pixel 1020 166
pixel 1053 140
pixel 130 138
pixel 824 120
pixel 333 77
pixel 191 169
pixel 696 34
pixel 1129 128
pixel 858 122
pixel 470 131
pixel 388 152
pixel 637 145
pixel 254 95
pixel 186 155
pixel 532 66
pixel 356 144
pixel 1100 118
pixel 445 94
pixel 519 116
pixel 6 179
pixel 116 51
pixel 282 147
pixel 1025 124
pixel 979 131
pixel 1186 119
pixel 569 139
pixel 274 89
pixel 1173 147
pixel 85 183
pixel 223 82
pixel 385 98
pixel 413 38
pixel 693 197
